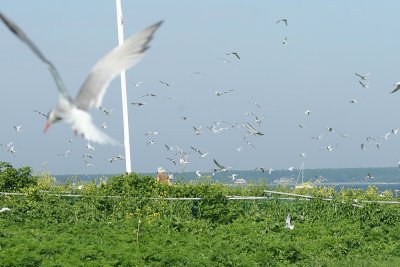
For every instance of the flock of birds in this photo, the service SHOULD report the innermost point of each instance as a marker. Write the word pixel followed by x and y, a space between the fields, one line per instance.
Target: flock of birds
pixel 75 111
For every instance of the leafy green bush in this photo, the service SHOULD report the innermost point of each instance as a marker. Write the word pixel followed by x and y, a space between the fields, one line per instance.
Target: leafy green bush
pixel 13 180
pixel 132 220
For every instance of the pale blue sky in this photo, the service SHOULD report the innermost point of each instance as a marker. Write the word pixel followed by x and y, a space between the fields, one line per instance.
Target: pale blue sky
pixel 327 42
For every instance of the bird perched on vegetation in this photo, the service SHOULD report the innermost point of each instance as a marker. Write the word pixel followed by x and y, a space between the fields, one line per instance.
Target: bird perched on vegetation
pixel 288 223
pixel 4 210
pixel 162 176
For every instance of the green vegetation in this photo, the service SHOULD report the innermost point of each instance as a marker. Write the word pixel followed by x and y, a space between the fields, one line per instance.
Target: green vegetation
pixel 137 226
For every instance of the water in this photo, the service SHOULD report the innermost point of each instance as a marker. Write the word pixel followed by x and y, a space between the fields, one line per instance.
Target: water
pixel 383 178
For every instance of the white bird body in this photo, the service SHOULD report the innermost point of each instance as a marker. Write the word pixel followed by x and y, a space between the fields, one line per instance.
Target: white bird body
pixel 288 223
pixel 198 174
pixel 74 111
pixel 18 128
pixel 4 210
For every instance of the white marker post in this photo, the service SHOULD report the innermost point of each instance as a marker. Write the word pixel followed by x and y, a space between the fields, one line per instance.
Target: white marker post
pixel 120 26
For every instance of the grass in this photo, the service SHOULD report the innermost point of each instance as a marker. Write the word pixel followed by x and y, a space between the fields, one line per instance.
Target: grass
pixel 134 229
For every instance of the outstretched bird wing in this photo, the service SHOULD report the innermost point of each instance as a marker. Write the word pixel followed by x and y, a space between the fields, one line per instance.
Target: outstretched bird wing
pixel 107 68
pixel 219 165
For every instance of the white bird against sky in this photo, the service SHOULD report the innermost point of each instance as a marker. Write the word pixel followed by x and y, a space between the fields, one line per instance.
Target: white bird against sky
pixel 396 88
pixel 18 128
pixel 74 111
pixel 284 20
pixel 363 77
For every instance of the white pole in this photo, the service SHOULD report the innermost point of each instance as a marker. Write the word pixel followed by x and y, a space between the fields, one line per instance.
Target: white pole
pixel 120 25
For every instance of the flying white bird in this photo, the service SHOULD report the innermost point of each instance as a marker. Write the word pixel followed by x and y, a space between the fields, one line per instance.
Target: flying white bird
pixel 291 169
pixel 150 142
pixel 172 160
pixel 139 104
pixel 106 111
pixel 104 125
pixel 115 158
pixel 307 112
pixel 364 85
pixel 65 154
pixel 328 147
pixel 197 130
pixel 148 95
pixel 219 93
pixel 198 174
pixel 74 111
pixel 40 113
pixel 233 53
pixel 89 146
pixel 262 169
pixel 183 161
pixel 284 20
pixel 288 223
pixel 87 164
pixel 396 88
pixel 255 103
pixel 220 168
pixel 363 77
pixel 284 41
pixel 318 137
pixel 17 128
pixel 165 83
pixel 386 136
pixel 151 133
pixel 252 130
pixel 87 155
pixel 138 84
pixel 353 101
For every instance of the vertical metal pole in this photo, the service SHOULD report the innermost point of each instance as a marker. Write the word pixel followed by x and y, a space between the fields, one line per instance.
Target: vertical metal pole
pixel 120 26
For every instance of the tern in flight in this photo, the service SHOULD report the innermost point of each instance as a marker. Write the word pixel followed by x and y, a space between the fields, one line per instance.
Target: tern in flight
pixel 233 53
pixel 363 77
pixel 18 128
pixel 198 174
pixel 251 129
pixel 74 111
pixel 284 20
pixel 364 85
pixel 396 88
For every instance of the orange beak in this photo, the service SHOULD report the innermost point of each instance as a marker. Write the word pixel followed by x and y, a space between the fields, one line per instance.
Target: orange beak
pixel 46 126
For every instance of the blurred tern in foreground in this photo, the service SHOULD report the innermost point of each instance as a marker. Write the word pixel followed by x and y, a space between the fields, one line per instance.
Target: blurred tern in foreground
pixel 74 111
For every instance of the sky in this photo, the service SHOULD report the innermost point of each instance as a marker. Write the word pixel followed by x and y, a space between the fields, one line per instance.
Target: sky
pixel 327 43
